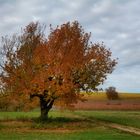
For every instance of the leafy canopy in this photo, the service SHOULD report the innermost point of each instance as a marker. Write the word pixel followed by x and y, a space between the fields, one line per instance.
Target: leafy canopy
pixel 56 67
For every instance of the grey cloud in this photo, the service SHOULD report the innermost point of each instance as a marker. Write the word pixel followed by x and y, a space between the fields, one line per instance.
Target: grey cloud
pixel 115 22
pixel 124 79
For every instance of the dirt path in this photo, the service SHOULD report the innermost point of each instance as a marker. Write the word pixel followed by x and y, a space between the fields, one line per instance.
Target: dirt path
pixel 124 128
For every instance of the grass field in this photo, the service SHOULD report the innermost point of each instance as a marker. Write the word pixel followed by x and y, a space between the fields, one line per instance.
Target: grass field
pixel 67 125
pixel 86 123
pixel 97 134
pixel 129 118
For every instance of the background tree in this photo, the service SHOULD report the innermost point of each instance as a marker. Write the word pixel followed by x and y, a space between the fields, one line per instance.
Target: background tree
pixel 111 93
pixel 53 69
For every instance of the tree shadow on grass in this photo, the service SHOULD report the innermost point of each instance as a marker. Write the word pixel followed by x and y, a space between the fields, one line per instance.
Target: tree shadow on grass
pixel 57 120
pixel 52 123
pixel 62 122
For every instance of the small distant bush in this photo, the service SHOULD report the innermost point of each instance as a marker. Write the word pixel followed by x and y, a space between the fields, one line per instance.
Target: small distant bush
pixel 111 93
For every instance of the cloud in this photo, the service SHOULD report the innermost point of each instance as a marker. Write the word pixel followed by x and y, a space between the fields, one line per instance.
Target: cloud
pixel 125 80
pixel 115 22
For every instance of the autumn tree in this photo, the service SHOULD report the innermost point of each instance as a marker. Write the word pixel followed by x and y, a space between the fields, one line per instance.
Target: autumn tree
pixel 111 93
pixel 53 69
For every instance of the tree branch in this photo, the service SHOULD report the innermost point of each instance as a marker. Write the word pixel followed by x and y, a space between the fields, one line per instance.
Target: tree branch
pixel 36 95
pixel 50 104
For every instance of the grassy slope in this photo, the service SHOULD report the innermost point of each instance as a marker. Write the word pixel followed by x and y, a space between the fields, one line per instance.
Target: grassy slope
pixel 67 125
pixel 130 95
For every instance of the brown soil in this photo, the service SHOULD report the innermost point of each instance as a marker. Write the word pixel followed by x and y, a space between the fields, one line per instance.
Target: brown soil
pixel 109 105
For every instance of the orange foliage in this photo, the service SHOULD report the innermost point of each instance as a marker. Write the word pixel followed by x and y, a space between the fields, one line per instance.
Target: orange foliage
pixel 56 68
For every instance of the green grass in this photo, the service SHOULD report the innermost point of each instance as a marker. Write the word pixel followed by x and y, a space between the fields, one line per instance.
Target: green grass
pixel 130 118
pixel 18 115
pixel 66 125
pixel 94 134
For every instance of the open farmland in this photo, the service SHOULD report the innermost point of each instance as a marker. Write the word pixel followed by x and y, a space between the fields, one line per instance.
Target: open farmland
pixel 99 101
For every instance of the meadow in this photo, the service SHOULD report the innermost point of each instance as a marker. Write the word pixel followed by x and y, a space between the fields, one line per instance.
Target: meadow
pixel 87 124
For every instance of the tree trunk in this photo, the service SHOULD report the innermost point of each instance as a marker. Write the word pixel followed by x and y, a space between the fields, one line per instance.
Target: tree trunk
pixel 45 106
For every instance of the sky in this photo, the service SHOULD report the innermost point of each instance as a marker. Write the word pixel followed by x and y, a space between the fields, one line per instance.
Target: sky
pixel 114 22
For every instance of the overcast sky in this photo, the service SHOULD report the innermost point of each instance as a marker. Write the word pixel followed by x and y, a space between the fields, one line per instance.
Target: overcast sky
pixel 115 22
